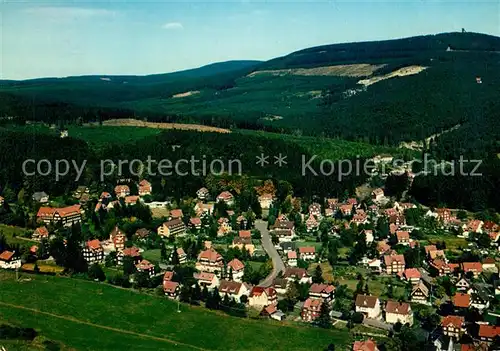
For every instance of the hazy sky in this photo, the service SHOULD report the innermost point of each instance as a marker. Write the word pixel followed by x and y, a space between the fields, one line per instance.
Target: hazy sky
pixel 61 38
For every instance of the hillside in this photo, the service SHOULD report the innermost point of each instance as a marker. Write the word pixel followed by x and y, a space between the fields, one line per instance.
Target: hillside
pixel 91 310
pixel 382 92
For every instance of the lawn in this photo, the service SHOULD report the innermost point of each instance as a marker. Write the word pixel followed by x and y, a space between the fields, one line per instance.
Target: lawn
pixel 452 242
pixel 15 235
pixel 91 316
pixel 153 255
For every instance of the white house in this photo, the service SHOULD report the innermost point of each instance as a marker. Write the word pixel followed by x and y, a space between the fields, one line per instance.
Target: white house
pixel 237 268
pixel 261 297
pixel 8 260
pixel 234 290
pixel 292 258
pixel 398 312
pixel 369 306
pixel 210 280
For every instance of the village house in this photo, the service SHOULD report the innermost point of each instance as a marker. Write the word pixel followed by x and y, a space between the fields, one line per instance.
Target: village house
pixel 475 267
pixel 67 216
pixel 325 292
pixel 93 251
pixel 9 260
pixel 489 264
pixel 210 261
pixel 122 191
pixel 488 333
pixel 243 243
pixel 453 326
pixel 132 200
pixel 117 238
pixel 377 194
pixel 226 197
pixel 234 290
pixel 311 309
pixel 142 233
pixel 265 201
pixel 40 197
pixel 346 209
pixel 299 274
pixel 175 213
pixel 437 254
pixel 369 306
pixel 360 217
pixel 398 312
pixel 443 268
pixel 210 280
pixel 479 297
pixel 368 236
pixel 315 210
pixel 237 269
pixel 40 233
pixel 412 275
pixel 195 223
pixel 174 227
pixel 461 300
pixel 224 226
pixel 202 209
pixel 307 253
pixel 368 345
pixel 394 264
pixel 285 230
pixel 171 289
pixel 312 224
pixel 273 312
pixel 145 266
pixel 202 193
pixel 443 215
pixel 261 297
pixel 383 247
pixel 292 258
pixel 420 293
pixel 473 226
pixel 463 284
pixel 403 237
pixel 280 285
pixel 287 246
pixel 145 188
pixel 403 206
pixel 182 255
pixel 132 252
pixel 375 265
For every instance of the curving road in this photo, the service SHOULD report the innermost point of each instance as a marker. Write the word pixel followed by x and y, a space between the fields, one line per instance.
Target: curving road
pixel 278 265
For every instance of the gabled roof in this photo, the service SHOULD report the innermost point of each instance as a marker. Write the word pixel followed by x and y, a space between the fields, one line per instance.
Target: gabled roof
pixel 412 273
pixel 236 265
pixel 170 286
pixel 245 234
pixel 461 300
pixel 421 287
pixel 402 308
pixel 488 331
pixel 6 256
pixel 168 275
pixel 94 244
pixel 176 213
pixel 368 345
pixel 455 321
pixel 402 235
pixel 230 287
pixel 259 290
pixel 210 255
pixel 307 250
pixel 205 276
pixel 472 266
pixel 295 272
pixel 131 251
pixel 366 301
pixel 42 231
pixel 390 259
pixel 321 288
pixel 313 303
pixel 292 255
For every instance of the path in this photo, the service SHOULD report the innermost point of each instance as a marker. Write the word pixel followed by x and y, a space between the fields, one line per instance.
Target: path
pixel 267 244
pixel 72 319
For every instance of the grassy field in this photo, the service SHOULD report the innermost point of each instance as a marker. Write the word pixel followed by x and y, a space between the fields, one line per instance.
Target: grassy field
pixel 90 316
pixel 452 242
pixel 153 255
pixel 14 235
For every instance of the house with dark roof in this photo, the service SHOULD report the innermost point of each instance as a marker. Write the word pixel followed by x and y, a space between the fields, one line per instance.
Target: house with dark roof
pixel 398 312
pixel 420 293
pixel 326 292
pixel 234 290
pixel 368 305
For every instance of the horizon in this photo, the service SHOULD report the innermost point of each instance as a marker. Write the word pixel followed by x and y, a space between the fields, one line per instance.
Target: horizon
pixel 68 39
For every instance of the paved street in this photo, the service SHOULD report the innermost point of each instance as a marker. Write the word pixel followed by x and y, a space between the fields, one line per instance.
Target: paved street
pixel 278 265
